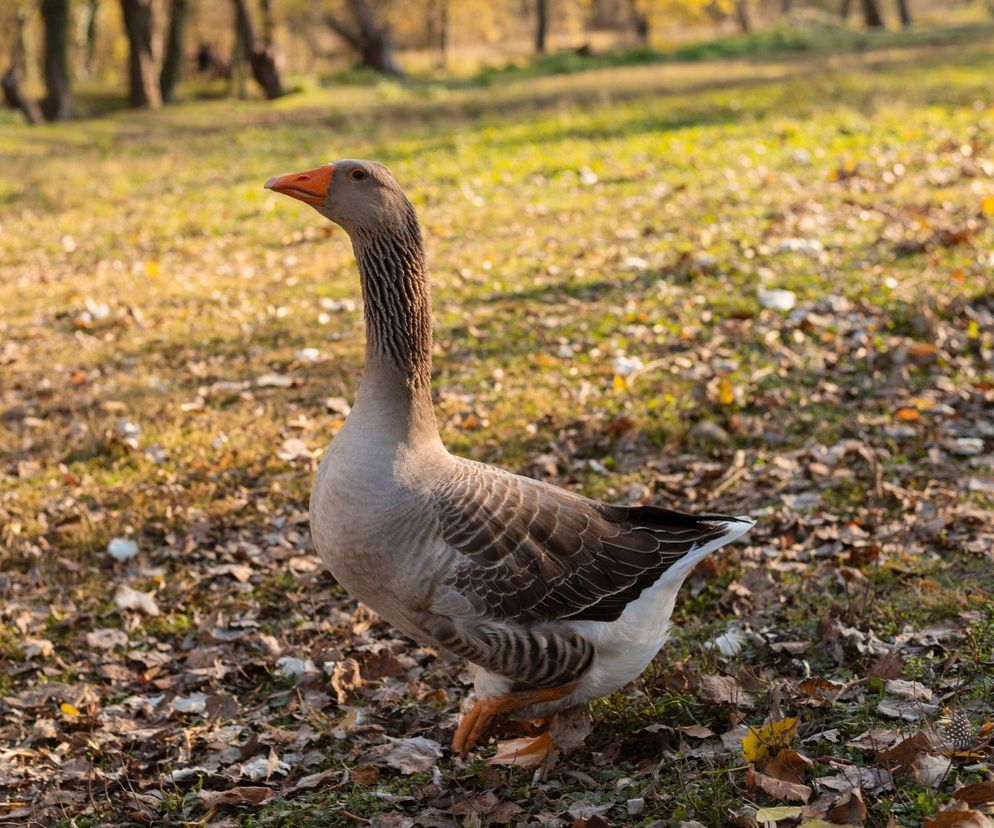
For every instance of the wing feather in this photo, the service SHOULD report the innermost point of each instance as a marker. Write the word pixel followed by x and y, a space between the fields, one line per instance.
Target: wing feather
pixel 530 552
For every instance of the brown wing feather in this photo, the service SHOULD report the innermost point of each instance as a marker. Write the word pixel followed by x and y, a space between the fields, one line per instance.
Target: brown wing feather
pixel 532 552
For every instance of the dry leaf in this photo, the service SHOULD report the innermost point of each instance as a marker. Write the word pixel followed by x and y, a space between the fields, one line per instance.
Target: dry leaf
pixel 959 815
pixel 850 811
pixel 127 598
pixel 725 690
pixel 758 741
pixel 234 796
pixel 777 788
pixel 406 755
pixel 788 765
pixel 977 793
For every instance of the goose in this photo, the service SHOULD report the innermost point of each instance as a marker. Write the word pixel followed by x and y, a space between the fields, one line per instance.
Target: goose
pixel 554 599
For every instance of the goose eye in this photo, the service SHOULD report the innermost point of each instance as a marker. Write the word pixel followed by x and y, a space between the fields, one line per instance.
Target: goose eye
pixel 358 175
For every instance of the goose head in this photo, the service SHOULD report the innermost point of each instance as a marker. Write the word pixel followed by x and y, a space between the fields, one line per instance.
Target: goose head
pixel 362 197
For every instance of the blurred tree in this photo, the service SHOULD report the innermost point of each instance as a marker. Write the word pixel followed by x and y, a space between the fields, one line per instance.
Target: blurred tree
pixel 366 30
pixel 871 14
pixel 57 104
pixel 143 86
pixel 90 36
pixel 904 12
pixel 13 90
pixel 742 16
pixel 437 30
pixel 541 25
pixel 261 55
pixel 172 63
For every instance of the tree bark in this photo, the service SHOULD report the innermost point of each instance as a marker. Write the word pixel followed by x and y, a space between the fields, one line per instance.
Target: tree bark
pixel 90 42
pixel 844 9
pixel 261 57
pixel 57 104
pixel 541 25
pixel 143 85
pixel 172 62
pixel 904 11
pixel 786 6
pixel 13 92
pixel 871 15
pixel 368 36
pixel 640 22
pixel 742 16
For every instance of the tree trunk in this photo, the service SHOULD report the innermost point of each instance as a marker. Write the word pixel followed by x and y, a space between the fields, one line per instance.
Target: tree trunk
pixel 871 15
pixel 541 25
pixel 57 104
pixel 844 9
pixel 143 86
pixel 368 36
pixel 640 22
pixel 90 37
pixel 172 62
pixel 786 6
pixel 904 11
pixel 437 33
pixel 742 16
pixel 261 58
pixel 13 92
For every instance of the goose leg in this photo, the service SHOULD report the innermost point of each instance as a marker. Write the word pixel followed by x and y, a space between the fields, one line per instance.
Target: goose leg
pixel 475 722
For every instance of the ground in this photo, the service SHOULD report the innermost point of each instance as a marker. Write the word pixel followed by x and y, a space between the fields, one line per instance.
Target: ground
pixel 754 285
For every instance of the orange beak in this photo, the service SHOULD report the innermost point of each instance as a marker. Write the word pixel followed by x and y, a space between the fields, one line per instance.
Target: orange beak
pixel 310 186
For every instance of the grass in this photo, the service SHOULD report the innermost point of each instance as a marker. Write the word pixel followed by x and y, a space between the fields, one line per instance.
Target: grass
pixel 631 207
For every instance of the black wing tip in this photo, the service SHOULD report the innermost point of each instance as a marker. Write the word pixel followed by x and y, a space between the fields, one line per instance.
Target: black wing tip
pixel 685 520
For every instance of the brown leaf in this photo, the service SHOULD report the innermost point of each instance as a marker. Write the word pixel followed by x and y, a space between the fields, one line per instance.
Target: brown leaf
pixel 245 795
pixel 888 666
pixel 849 811
pixel 777 788
pixel 904 755
pixel 725 690
pixel 525 753
pixel 959 816
pixel 977 793
pixel 821 689
pixel 345 678
pixel 789 766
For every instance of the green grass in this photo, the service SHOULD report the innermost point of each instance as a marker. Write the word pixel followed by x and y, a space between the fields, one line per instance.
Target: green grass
pixel 538 194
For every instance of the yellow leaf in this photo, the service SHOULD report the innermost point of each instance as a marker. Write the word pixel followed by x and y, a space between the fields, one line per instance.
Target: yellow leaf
pixel 726 396
pixel 973 329
pixel 620 383
pixel 987 205
pixel 778 734
pixel 69 709
pixel 152 269
pixel 777 813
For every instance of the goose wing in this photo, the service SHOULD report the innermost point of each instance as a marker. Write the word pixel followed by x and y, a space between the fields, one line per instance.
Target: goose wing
pixel 530 552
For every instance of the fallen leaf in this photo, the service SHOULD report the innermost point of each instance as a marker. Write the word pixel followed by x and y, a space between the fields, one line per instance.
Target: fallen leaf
pixel 977 793
pixel 69 709
pixel 234 796
pixel 821 689
pixel 127 598
pixel 778 813
pixel 788 765
pixel 725 690
pixel 777 788
pixel 959 816
pixel 757 742
pixel 849 811
pixel 406 755
pixel 106 639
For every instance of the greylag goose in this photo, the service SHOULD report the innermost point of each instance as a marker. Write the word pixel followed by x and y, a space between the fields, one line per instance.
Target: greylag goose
pixel 553 598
